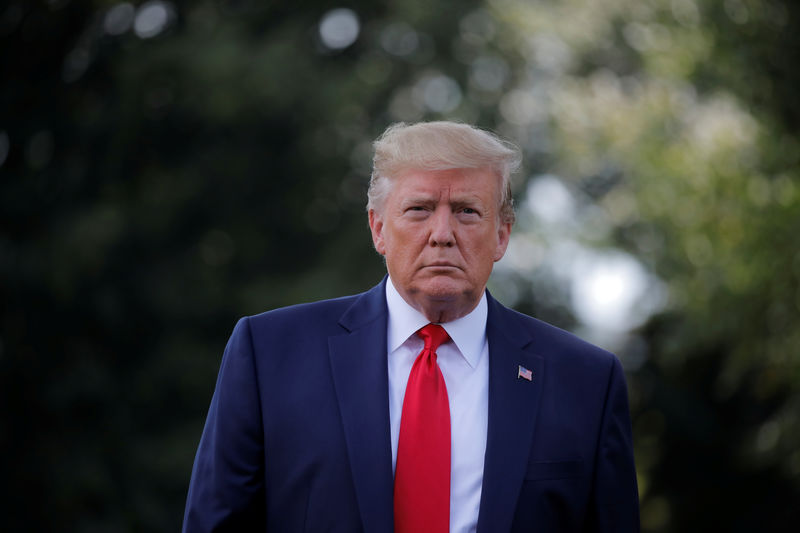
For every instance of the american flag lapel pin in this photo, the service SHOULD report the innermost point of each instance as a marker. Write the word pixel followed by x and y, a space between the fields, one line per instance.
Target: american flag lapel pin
pixel 524 373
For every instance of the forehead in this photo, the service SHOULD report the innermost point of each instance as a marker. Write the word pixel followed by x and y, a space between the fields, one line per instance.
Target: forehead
pixel 464 181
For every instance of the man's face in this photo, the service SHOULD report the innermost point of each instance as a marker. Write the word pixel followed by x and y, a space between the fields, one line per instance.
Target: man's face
pixel 440 232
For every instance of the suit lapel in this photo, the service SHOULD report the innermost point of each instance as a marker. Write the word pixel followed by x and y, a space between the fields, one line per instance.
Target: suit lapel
pixel 513 406
pixel 360 375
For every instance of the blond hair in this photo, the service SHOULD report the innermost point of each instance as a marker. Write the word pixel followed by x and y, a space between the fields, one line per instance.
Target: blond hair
pixel 440 146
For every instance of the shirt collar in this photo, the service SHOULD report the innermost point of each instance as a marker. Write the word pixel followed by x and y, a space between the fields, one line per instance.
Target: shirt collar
pixel 468 332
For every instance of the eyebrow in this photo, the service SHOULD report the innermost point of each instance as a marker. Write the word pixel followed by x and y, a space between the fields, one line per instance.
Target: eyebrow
pixel 466 199
pixel 418 200
pixel 455 202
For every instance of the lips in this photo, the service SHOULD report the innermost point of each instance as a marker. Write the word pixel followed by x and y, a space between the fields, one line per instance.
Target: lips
pixel 441 264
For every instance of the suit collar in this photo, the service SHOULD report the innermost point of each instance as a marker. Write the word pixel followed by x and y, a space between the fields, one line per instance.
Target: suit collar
pixel 513 407
pixel 368 307
pixel 360 375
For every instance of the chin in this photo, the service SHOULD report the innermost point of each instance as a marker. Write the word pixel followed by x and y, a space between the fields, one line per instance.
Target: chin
pixel 444 290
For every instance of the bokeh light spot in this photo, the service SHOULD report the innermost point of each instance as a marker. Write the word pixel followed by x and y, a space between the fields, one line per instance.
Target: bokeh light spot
pixel 524 254
pixel 339 28
pixel 75 64
pixel 549 199
pixel 152 18
pixel 399 39
pixel 489 73
pixel 768 435
pixel 551 53
pixel 685 12
pixel 522 107
pixel 119 19
pixel 438 93
pixel 612 291
pixel 477 27
pixel 737 11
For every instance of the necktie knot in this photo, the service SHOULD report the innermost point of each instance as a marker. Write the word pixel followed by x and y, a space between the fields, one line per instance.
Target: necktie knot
pixel 433 335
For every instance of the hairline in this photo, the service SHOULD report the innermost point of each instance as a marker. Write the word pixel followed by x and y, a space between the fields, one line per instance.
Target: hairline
pixel 441 145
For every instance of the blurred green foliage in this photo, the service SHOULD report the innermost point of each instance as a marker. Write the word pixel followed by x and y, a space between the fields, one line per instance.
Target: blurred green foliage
pixel 167 167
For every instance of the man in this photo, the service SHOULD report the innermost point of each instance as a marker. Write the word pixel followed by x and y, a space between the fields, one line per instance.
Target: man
pixel 422 404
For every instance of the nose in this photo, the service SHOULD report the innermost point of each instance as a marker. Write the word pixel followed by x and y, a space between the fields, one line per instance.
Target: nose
pixel 441 230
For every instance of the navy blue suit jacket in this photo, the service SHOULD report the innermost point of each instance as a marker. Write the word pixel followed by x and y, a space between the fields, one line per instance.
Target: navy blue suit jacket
pixel 297 435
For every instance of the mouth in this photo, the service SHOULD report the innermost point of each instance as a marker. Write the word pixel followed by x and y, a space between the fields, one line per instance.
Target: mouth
pixel 442 265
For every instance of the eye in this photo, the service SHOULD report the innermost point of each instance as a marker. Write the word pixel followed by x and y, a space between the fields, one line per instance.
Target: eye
pixel 469 211
pixel 416 211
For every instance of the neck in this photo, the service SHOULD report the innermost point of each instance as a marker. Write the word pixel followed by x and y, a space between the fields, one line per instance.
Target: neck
pixel 443 311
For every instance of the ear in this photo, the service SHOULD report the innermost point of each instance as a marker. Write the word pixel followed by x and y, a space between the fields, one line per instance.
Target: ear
pixel 376 227
pixel 503 236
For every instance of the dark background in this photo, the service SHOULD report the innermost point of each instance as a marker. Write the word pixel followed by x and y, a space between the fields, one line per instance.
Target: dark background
pixel 167 167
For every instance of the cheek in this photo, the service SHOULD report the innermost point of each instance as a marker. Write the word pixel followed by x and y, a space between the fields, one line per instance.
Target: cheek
pixel 404 236
pixel 483 252
pixel 393 243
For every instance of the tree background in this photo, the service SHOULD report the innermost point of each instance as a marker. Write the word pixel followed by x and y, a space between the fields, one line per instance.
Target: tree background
pixel 169 166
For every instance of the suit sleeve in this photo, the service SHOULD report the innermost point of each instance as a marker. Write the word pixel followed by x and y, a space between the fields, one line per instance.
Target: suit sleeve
pixel 226 492
pixel 616 499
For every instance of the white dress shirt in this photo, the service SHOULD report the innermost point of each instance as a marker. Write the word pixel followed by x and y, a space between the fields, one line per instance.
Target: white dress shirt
pixel 464 362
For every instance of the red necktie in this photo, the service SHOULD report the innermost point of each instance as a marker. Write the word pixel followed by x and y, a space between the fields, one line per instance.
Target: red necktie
pixel 422 471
